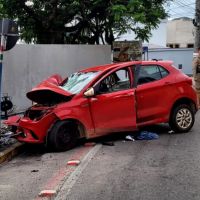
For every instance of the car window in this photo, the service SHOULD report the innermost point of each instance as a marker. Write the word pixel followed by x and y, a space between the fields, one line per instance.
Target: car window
pixel 163 72
pixel 149 73
pixel 77 81
pixel 118 80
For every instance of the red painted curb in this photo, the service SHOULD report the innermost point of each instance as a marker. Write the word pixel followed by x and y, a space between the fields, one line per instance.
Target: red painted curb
pixel 73 162
pixel 47 193
pixel 66 170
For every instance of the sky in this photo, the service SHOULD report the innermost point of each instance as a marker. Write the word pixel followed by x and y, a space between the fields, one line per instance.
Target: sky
pixel 181 8
pixel 175 9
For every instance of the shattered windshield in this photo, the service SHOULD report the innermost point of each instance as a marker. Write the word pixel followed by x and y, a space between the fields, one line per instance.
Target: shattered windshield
pixel 77 81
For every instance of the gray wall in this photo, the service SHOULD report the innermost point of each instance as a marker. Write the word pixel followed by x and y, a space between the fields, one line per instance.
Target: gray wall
pixel 26 65
pixel 182 56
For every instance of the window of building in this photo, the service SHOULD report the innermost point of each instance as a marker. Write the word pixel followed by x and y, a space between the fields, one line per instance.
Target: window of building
pixel 190 45
pixel 170 45
pixel 176 46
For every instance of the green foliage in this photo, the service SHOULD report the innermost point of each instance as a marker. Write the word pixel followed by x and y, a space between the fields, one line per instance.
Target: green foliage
pixel 83 21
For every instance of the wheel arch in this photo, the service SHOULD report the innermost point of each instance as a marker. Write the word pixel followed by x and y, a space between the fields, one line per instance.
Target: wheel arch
pixel 81 128
pixel 183 100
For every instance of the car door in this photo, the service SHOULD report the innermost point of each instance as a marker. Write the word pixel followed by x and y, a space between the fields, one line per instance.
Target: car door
pixel 113 108
pixel 153 93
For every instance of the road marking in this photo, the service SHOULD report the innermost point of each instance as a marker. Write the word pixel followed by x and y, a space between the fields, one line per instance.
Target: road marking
pixel 65 189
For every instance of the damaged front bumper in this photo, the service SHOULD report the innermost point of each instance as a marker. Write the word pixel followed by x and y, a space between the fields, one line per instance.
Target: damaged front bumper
pixel 29 130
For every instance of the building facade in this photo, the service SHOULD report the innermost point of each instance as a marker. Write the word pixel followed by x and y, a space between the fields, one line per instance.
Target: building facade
pixel 180 33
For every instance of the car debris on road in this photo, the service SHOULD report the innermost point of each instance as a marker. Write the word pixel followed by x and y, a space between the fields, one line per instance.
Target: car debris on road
pixel 146 135
pixel 130 138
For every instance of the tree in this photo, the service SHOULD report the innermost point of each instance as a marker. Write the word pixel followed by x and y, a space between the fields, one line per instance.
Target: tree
pixel 83 21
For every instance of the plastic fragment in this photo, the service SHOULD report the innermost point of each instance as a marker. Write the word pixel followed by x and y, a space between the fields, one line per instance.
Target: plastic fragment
pixel 171 132
pixel 35 170
pixel 130 138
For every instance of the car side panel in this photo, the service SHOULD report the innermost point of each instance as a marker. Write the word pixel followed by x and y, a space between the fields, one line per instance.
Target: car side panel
pixel 154 99
pixel 162 98
pixel 77 109
pixel 114 112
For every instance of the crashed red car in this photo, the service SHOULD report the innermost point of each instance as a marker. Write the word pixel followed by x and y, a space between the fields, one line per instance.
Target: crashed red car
pixel 106 99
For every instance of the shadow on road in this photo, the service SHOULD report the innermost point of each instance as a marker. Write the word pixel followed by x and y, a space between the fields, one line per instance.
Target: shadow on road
pixel 160 129
pixel 39 149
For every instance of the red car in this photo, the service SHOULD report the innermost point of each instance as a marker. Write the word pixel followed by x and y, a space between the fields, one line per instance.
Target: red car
pixel 105 99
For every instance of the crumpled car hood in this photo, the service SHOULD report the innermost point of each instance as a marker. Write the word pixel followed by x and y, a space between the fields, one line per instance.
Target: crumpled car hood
pixel 49 92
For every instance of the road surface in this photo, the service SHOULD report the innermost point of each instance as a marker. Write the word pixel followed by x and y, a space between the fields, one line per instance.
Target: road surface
pixel 163 169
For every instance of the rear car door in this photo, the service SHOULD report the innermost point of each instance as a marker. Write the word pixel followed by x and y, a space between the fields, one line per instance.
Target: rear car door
pixel 113 109
pixel 153 92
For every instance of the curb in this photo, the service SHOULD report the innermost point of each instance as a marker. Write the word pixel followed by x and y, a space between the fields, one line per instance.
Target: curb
pixel 10 152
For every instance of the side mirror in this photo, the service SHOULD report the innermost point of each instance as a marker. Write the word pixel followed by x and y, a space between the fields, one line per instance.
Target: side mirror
pixel 89 92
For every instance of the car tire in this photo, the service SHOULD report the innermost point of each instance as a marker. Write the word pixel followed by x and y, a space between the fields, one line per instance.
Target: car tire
pixel 182 118
pixel 63 136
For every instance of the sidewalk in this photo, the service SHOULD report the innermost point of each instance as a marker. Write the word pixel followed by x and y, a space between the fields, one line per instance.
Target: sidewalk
pixel 8 152
pixel 9 147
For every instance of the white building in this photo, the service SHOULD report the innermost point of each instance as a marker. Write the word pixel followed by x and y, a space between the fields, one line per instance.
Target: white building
pixel 180 33
pixel 158 38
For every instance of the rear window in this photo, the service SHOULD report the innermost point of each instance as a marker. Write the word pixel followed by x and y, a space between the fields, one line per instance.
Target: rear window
pixel 150 73
pixel 163 72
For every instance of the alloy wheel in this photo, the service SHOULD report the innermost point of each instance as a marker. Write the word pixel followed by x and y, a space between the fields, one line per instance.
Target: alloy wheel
pixel 184 118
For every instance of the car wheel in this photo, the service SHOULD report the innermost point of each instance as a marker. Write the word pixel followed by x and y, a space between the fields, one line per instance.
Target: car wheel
pixel 63 136
pixel 182 118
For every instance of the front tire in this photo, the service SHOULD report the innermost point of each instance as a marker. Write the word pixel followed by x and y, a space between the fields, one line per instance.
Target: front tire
pixel 182 118
pixel 63 136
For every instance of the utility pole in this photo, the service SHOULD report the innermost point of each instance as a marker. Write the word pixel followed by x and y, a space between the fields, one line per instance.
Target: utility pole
pixel 2 47
pixel 196 55
pixel 8 38
pixel 197 24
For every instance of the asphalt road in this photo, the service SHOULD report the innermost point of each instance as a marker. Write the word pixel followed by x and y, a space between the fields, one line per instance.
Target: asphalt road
pixel 163 169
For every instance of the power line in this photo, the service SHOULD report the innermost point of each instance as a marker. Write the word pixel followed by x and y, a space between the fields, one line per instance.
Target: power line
pixel 181 8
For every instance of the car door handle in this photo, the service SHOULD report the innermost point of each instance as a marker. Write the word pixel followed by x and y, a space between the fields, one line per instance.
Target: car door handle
pixel 94 99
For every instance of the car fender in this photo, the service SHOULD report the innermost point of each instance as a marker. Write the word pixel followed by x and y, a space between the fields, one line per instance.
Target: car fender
pixel 182 99
pixel 69 114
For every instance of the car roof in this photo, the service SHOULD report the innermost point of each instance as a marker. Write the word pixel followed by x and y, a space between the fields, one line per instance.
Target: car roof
pixel 123 64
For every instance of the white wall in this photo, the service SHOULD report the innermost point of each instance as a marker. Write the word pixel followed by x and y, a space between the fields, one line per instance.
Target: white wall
pixel 182 56
pixel 26 65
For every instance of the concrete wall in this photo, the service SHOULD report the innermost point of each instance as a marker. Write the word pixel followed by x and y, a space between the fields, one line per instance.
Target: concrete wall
pixel 182 56
pixel 26 65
